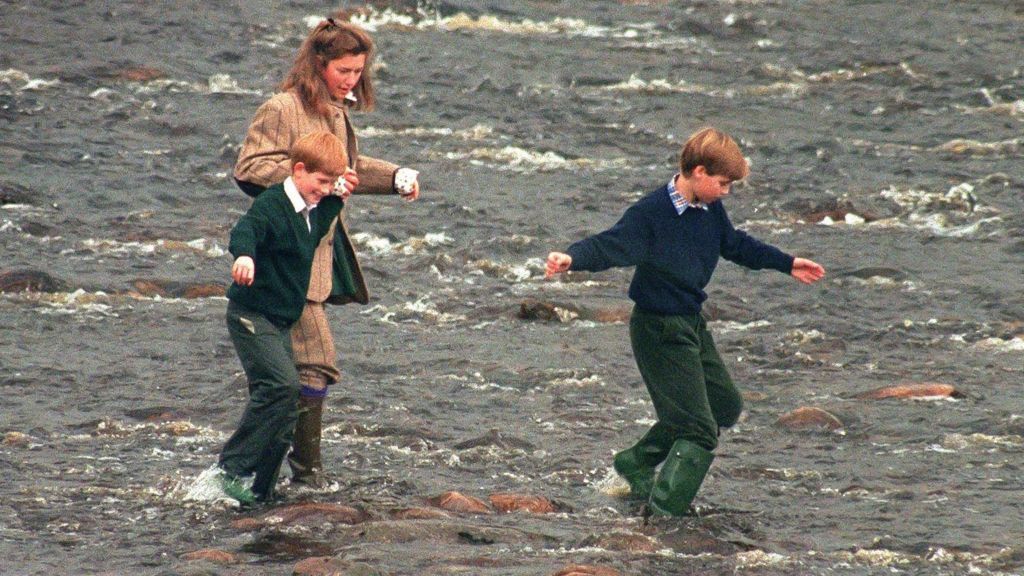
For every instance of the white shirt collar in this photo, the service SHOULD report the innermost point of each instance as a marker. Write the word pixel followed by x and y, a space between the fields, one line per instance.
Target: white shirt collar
pixel 293 195
pixel 351 97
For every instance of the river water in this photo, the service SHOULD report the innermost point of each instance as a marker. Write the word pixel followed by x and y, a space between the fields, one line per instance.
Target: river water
pixel 886 143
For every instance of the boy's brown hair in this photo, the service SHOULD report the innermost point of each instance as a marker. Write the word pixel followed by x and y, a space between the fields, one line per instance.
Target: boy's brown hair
pixel 716 152
pixel 319 152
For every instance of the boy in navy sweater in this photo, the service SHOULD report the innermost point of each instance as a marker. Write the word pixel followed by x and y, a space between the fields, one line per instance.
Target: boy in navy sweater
pixel 273 245
pixel 674 236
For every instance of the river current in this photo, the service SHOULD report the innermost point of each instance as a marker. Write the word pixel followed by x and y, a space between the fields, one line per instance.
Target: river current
pixel 886 143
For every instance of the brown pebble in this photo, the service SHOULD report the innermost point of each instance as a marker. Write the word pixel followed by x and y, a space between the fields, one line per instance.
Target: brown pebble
pixel 19 439
pixel 927 390
pixel 211 555
pixel 30 281
pixel 583 570
pixel 508 502
pixel 456 502
pixel 807 417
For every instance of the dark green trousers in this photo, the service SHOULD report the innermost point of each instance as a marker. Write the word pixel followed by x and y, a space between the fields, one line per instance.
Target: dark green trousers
pixel 692 392
pixel 264 434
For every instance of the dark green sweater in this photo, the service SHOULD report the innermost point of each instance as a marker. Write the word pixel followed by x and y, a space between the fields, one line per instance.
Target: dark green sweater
pixel 275 236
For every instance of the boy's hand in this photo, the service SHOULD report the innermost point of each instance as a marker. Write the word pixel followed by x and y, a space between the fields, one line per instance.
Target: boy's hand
pixel 345 184
pixel 557 263
pixel 243 271
pixel 807 271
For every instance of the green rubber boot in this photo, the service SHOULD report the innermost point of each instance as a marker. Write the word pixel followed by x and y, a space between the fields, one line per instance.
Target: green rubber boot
pixel 640 477
pixel 233 487
pixel 680 479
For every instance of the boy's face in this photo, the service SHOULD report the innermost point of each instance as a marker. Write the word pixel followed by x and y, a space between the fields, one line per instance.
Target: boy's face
pixel 708 188
pixel 312 186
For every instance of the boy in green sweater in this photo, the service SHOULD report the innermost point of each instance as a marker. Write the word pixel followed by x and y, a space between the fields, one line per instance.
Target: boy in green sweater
pixel 273 246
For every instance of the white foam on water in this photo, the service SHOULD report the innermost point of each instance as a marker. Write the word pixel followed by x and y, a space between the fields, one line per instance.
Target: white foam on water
pixel 611 484
pixel 206 488
pixel 27 83
pixel 956 442
pixel 201 246
pixel 725 326
pixel 760 559
pixel 574 382
pixel 523 160
pixel 378 245
pixel 476 132
pixel 225 84
pixel 1015 344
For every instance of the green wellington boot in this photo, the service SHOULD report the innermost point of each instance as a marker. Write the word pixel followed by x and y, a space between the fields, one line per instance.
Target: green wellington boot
pixel 680 478
pixel 304 459
pixel 640 477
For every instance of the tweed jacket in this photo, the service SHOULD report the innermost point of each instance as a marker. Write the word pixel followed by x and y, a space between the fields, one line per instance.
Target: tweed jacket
pixel 263 161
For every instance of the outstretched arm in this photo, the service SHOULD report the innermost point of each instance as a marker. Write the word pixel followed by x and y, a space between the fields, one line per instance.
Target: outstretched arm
pixel 807 271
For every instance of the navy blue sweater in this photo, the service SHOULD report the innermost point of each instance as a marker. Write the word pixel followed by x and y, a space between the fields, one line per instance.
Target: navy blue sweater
pixel 674 254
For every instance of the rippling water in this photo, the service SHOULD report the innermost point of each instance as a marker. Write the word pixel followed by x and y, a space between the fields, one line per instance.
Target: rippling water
pixel 885 139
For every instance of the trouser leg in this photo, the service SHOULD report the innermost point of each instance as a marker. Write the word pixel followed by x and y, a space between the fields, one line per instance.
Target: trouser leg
pixel 264 433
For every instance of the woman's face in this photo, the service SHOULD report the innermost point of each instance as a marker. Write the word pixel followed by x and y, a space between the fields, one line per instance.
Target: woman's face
pixel 342 74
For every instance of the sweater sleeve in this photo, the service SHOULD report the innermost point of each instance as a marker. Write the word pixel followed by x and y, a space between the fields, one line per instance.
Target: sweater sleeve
pixel 263 159
pixel 627 243
pixel 745 250
pixel 249 232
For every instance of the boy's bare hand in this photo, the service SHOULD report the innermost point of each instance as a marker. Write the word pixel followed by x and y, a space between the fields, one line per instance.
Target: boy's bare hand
pixel 243 271
pixel 807 271
pixel 557 263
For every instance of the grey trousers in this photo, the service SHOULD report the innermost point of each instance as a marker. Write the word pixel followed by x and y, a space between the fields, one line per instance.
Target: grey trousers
pixel 259 444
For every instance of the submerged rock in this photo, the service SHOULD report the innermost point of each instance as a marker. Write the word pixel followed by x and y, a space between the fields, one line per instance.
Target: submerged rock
pixel 17 439
pixel 175 289
pixel 419 514
pixel 456 502
pixel 30 280
pixel 211 555
pixel 309 513
pixel 807 417
pixel 622 542
pixel 329 566
pixel 583 570
pixel 509 502
pixel 531 309
pixel 926 390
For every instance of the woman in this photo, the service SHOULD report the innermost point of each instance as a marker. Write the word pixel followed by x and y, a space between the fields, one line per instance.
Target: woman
pixel 330 75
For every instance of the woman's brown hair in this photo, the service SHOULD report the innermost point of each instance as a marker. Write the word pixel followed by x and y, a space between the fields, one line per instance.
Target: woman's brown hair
pixel 330 40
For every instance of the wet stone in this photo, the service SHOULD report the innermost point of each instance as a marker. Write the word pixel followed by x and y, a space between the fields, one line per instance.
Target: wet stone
pixel 509 502
pixel 174 289
pixel 289 546
pixel 585 570
pixel 211 555
pixel 329 566
pixel 622 542
pixel 418 514
pixel 14 194
pixel 305 514
pixel 457 502
pixel 17 439
pixel 809 418
pixel 925 390
pixel 29 280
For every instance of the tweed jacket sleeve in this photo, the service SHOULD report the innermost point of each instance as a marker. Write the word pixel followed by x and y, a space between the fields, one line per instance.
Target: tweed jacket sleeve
pixel 279 122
